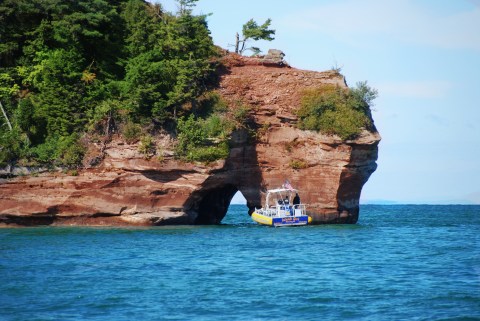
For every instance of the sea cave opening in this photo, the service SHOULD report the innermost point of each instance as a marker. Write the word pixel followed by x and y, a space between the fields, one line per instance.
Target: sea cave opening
pixel 215 203
pixel 237 210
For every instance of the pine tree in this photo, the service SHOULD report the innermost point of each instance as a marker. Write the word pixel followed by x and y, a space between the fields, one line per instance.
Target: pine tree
pixel 251 30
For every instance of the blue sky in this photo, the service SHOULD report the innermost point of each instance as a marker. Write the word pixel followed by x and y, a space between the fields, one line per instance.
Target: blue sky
pixel 422 56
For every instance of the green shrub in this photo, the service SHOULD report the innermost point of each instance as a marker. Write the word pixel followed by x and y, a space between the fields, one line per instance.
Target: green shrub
pixel 190 134
pixel 71 153
pixel 298 164
pixel 203 140
pixel 213 126
pixel 46 152
pixel 343 121
pixel 208 154
pixel 211 102
pixel 103 118
pixel 218 126
pixel 73 172
pixel 337 111
pixel 240 113
pixel 11 146
pixel 160 155
pixel 131 132
pixel 147 146
pixel 60 150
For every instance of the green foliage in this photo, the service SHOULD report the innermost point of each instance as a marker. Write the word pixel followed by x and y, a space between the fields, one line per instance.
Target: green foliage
pixel 298 164
pixel 69 67
pixel 336 111
pixel 8 87
pixel 204 137
pixel 186 6
pixel 71 152
pixel 102 67
pixel 251 30
pixel 208 154
pixel 104 117
pixel 241 113
pixel 73 172
pixel 147 146
pixel 363 96
pixel 61 151
pixel 131 132
pixel 203 140
pixel 209 103
pixel 190 135
pixel 173 69
pixel 12 146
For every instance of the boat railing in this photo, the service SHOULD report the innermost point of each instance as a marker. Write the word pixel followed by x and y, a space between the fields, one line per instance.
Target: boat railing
pixel 284 210
pixel 299 210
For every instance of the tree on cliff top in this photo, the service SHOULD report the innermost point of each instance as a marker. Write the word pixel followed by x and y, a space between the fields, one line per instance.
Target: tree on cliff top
pixel 185 6
pixel 251 30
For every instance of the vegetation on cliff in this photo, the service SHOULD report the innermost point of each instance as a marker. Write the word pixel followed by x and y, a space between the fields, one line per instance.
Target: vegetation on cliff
pixel 73 72
pixel 337 111
pixel 67 68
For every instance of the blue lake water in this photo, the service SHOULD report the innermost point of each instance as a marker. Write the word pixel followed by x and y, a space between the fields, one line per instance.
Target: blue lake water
pixel 399 262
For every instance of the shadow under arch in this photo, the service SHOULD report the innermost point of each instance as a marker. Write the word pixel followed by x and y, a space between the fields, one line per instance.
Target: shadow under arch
pixel 241 172
pixel 214 205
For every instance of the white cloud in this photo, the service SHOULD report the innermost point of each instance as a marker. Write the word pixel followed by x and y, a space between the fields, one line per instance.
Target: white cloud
pixel 357 22
pixel 415 89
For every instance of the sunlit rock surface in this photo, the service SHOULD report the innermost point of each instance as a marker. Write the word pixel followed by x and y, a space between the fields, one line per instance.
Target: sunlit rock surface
pixel 126 189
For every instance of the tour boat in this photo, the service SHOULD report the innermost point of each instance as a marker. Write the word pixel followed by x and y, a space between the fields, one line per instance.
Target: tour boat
pixel 282 208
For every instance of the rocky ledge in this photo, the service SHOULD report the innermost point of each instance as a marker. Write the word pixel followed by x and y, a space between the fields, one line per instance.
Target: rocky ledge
pixel 127 189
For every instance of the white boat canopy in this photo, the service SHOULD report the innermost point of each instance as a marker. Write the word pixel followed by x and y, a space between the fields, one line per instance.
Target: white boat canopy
pixel 278 193
pixel 280 190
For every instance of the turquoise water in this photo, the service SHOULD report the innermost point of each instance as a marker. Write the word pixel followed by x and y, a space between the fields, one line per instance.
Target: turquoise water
pixel 397 263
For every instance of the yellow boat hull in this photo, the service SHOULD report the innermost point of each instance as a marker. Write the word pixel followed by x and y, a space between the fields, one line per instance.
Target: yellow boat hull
pixel 261 219
pixel 281 221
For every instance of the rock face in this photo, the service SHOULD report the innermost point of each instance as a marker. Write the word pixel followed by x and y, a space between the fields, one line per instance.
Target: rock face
pixel 126 189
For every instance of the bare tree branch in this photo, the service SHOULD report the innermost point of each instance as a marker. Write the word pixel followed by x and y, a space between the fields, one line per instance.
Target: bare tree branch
pixel 6 117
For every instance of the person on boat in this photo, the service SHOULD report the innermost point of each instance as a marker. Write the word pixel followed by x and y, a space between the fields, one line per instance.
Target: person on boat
pixel 296 200
pixel 288 207
pixel 282 204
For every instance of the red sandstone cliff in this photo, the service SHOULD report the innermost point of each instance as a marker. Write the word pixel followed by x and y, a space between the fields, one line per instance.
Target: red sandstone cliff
pixel 126 189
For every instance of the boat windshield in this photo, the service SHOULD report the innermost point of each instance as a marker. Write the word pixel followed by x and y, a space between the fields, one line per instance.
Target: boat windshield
pixel 280 197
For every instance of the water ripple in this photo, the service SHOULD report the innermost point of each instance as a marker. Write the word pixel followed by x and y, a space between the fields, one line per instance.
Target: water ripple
pixel 398 262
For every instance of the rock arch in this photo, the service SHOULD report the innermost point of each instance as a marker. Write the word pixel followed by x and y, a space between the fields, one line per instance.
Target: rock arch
pixel 330 184
pixel 127 189
pixel 241 172
pixel 214 204
pixel 137 193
